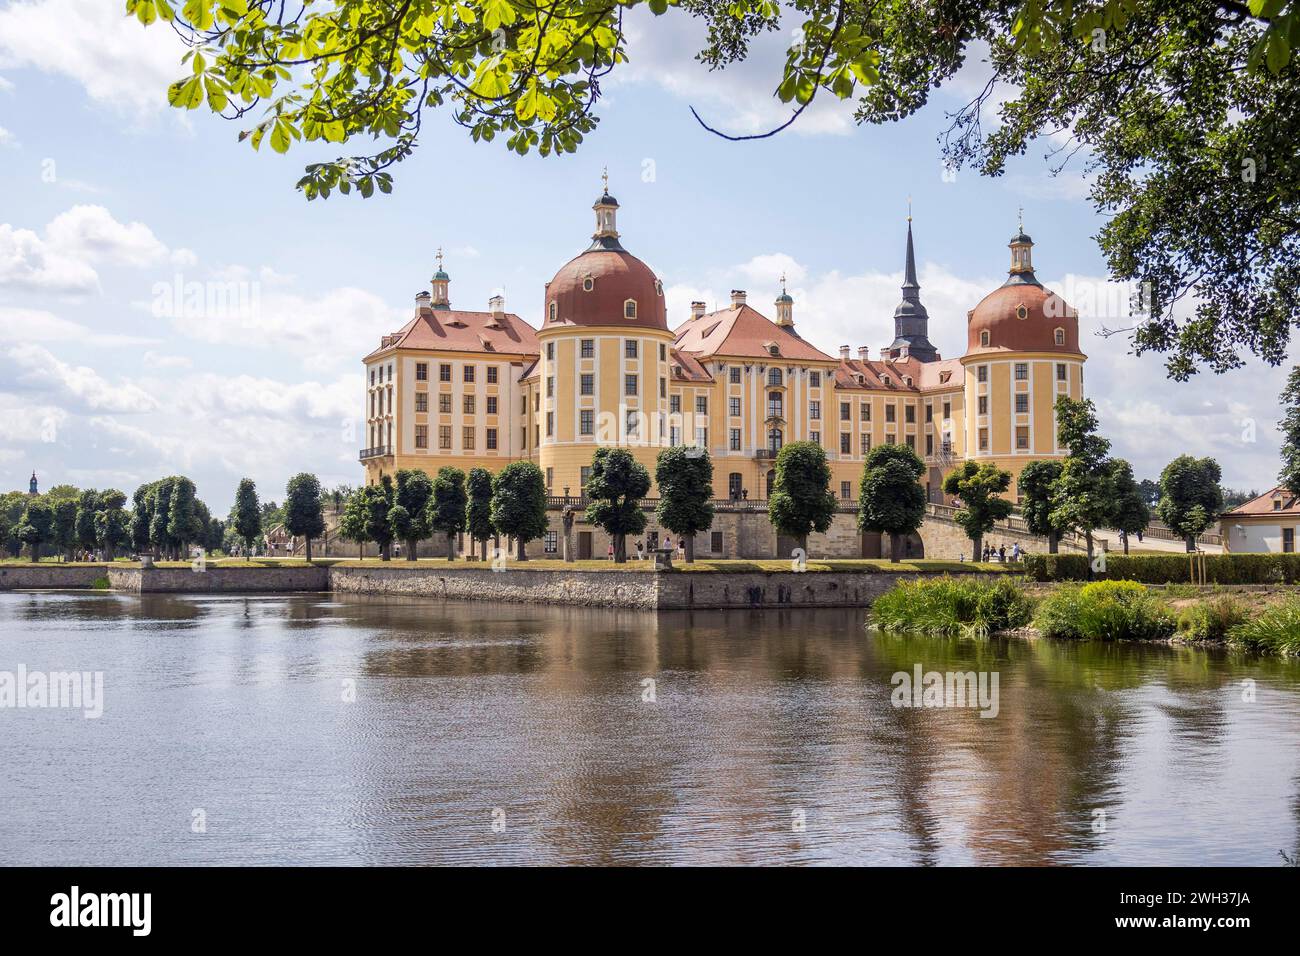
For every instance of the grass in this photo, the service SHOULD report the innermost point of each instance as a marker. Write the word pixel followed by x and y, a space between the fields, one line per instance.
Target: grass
pixel 1105 611
pixel 973 607
pixel 1211 619
pixel 1276 630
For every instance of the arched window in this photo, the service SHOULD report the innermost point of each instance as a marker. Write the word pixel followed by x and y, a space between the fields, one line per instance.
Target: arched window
pixel 984 339
pixel 629 309
pixel 775 405
pixel 774 440
pixel 771 482
pixel 734 486
pixel 659 287
pixel 774 376
pixel 554 311
pixel 1060 336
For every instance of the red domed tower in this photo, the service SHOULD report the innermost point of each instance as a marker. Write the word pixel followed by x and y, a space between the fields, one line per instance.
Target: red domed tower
pixel 605 356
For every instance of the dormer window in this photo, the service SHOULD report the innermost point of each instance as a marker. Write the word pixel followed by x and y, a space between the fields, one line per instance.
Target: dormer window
pixel 555 311
pixel 908 380
pixel 984 340
pixel 1022 312
pixel 886 379
pixel 629 309
pixel 1060 336
pixel 659 287
pixel 588 283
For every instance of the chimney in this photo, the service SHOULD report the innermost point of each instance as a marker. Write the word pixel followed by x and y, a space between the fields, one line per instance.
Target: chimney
pixel 497 306
pixel 737 298
pixel 864 354
pixel 697 309
pixel 844 353
pixel 423 302
pixel 884 354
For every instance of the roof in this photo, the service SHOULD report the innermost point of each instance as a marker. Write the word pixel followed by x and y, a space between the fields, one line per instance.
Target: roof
pixel 615 276
pixel 1263 505
pixel 457 331
pixel 743 332
pixel 688 368
pixel 1022 317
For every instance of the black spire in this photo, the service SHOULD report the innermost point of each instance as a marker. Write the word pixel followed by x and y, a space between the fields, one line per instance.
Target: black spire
pixel 911 320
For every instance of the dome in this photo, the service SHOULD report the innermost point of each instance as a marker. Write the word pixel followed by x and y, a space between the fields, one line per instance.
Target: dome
pixel 596 287
pixel 1022 317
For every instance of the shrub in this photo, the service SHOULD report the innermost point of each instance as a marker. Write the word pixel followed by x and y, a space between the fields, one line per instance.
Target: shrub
pixel 1170 568
pixel 1105 611
pixel 1211 620
pixel 948 605
pixel 1276 630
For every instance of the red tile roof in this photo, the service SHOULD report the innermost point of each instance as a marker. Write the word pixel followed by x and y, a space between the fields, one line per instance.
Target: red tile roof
pixel 742 332
pixel 687 368
pixel 456 331
pixel 1263 505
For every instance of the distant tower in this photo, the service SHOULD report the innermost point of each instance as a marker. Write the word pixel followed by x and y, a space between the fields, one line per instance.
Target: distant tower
pixel 911 320
pixel 440 282
pixel 31 488
pixel 785 308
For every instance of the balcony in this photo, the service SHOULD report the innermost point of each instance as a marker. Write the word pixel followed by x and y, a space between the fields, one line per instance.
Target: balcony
pixel 379 451
pixel 764 453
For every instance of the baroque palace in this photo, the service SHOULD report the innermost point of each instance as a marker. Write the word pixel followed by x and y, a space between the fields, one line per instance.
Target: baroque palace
pixel 484 388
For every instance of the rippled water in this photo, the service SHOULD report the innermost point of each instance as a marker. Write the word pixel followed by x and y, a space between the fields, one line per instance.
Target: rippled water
pixel 235 706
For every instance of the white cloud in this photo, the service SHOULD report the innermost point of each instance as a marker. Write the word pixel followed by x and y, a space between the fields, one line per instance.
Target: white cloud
pixel 117 60
pixel 22 420
pixel 92 233
pixel 38 325
pixel 28 262
pixel 7 138
pixel 159 360
pixel 38 369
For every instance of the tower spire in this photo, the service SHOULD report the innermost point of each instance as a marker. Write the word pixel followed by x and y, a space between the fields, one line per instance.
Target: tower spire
pixel 911 320
pixel 441 281
pixel 606 209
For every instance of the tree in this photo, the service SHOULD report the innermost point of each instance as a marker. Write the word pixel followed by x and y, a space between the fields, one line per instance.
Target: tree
pixel 414 490
pixel 141 517
pixel 111 531
pixel 478 514
pixel 1084 498
pixel 617 484
pixel 1190 496
pixel 685 479
pixel 979 488
pixel 446 508
pixel 801 501
pixel 12 506
pixel 87 506
pixel 36 527
pixel 160 515
pixel 1037 489
pixel 303 515
pixel 890 498
pixel 1130 510
pixel 63 533
pixel 352 522
pixel 1150 491
pixel 1289 426
pixel 246 516
pixel 377 503
pixel 183 515
pixel 519 504
pixel 1232 497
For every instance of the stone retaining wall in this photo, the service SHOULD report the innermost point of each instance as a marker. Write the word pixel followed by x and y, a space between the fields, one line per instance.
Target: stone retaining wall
pixel 50 576
pixel 231 580
pixel 583 588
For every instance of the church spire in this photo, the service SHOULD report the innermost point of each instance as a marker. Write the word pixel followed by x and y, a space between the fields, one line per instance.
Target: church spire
pixel 606 209
pixel 911 320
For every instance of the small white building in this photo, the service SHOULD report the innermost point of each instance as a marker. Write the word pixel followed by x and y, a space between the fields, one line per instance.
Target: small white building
pixel 1266 524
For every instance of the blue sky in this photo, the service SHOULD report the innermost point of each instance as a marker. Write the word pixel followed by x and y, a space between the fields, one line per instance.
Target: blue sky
pixel 110 196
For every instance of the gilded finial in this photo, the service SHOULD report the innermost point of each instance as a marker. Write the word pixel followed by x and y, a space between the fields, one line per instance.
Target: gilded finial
pixel 783 282
pixel 604 178
pixel 1021 216
pixel 909 208
pixel 440 257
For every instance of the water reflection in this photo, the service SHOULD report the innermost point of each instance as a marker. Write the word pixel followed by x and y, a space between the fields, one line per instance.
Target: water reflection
pixel 761 722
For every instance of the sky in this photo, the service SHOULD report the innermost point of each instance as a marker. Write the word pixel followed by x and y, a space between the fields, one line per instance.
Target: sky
pixel 115 208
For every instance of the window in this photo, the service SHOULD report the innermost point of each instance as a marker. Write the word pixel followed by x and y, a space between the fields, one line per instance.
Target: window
pixel 372 404
pixel 814 379
pixel 629 384
pixel 815 437
pixel 492 439
pixel 734 374
pixel 523 404
pixel 844 412
pixel 715 542
pixel 1060 372
pixel 633 424
pixel 1022 371
pixel 984 340
pixel 675 404
pixel 467 438
pixel 469 405
pixel 774 439
pixel 983 405
pixel 983 374
pixel 372 376
pixel 844 443
pixel 469 373
pixel 774 376
pixel 444 403
pixel 586 422
pixel 865 444
pixel 674 436
pixel 550 351
pixel 551 542
pixel 864 411
pixel 911 442
pixel 1022 437
pixel 629 348
pixel 444 373
pixel 663 387
pixel 584 475
pixel 537 401
pixel 629 309
pixel 550 424
pixel 733 407
pixel 775 405
pixel 734 439
pixel 421 401
pixel 421 371
pixel 815 411
pixel 588 284
pixel 1060 336
pixel 701 438
pixel 588 348
pixel 947 409
pixel 550 479
pixel 444 436
pixel 929 445
pixel 554 312
pixel 1288 540
pixel 891 412
pixel 701 404
pixel 587 384
pixel 421 436
pixel 984 439
pixel 929 414
pixel 909 414
pixel 523 437
pixel 550 386
pixel 846 490
pixel 1022 403
pixel 491 404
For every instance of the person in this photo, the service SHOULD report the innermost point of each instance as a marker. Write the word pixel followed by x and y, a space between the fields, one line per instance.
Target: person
pixel 1002 553
pixel 668 542
pixel 961 557
pixel 609 552
pixel 640 550
pixel 1015 551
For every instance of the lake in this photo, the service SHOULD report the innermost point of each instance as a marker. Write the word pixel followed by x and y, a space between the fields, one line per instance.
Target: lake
pixel 310 730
